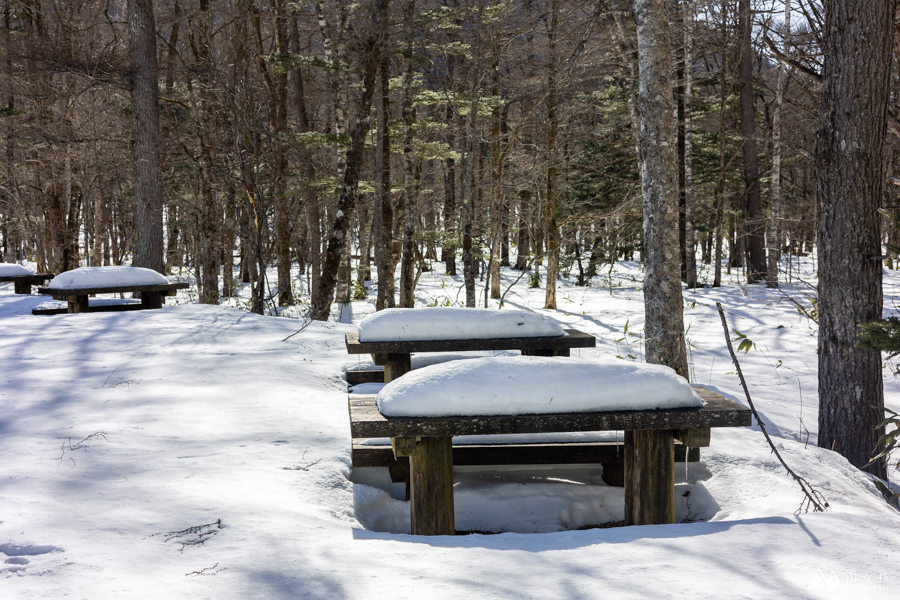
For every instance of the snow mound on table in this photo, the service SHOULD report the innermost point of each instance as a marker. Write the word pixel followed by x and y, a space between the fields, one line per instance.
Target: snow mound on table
pixel 11 269
pixel 404 324
pixel 98 277
pixel 523 385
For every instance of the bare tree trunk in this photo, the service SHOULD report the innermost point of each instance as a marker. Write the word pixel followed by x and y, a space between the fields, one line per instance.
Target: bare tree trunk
pixel 148 218
pixel 551 228
pixel 773 234
pixel 664 326
pixel 522 245
pixel 365 243
pixel 313 216
pixel 754 221
pixel 496 177
pixel 850 186
pixel 384 211
pixel 448 249
pixel 690 250
pixel 278 123
pixel 410 214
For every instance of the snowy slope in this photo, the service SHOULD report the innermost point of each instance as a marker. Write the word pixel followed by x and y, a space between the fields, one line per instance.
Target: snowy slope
pixel 190 452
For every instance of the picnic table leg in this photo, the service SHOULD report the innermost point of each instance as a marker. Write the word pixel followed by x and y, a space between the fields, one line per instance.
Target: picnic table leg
pixel 546 352
pixel 396 365
pixel 431 487
pixel 22 287
pixel 649 477
pixel 78 304
pixel 151 300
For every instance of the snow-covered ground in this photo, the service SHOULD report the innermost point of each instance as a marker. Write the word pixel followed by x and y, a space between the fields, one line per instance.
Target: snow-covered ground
pixel 201 452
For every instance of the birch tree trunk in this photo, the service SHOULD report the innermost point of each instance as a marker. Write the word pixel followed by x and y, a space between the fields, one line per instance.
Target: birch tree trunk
pixel 664 325
pixel 850 186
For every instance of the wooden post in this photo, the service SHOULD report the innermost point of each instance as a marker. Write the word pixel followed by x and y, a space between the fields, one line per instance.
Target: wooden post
pixel 151 300
pixel 396 365
pixel 649 477
pixel 78 304
pixel 614 474
pixel 22 287
pixel 431 487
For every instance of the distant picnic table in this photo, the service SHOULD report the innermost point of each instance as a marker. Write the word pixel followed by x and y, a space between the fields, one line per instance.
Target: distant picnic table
pixel 395 355
pixel 22 283
pixel 77 298
pixel 77 285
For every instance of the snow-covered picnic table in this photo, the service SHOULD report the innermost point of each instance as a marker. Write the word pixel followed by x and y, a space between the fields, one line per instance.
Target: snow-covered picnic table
pixel 77 285
pixel 422 411
pixel 392 335
pixel 21 278
pixel 536 393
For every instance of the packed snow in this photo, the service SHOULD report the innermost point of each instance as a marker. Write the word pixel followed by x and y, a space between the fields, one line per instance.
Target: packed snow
pixel 101 277
pixel 12 270
pixel 204 452
pixel 400 324
pixel 530 385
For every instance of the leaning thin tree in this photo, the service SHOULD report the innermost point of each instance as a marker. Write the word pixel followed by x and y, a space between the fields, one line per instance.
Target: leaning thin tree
pixel 373 46
pixel 850 186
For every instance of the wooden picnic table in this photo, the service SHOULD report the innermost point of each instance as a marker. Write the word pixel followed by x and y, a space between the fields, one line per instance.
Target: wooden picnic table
pixel 648 449
pixel 22 283
pixel 77 298
pixel 395 355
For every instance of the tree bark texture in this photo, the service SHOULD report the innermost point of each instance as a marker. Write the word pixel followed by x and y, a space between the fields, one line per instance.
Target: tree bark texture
pixel 410 215
pixel 148 217
pixel 384 211
pixel 774 229
pixel 850 185
pixel 552 129
pixel 664 325
pixel 690 250
pixel 754 221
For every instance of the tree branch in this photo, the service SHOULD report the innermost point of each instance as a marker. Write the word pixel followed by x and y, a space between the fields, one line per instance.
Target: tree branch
pixel 813 497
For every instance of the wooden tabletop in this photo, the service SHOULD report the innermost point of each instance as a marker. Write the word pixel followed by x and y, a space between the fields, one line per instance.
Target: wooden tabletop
pixel 31 277
pixel 367 422
pixel 63 293
pixel 572 339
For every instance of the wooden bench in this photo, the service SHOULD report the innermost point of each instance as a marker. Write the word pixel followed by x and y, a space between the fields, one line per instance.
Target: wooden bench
pixel 395 356
pixel 77 298
pixel 649 450
pixel 22 283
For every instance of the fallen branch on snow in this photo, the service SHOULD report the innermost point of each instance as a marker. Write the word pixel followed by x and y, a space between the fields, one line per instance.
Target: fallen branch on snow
pixel 813 498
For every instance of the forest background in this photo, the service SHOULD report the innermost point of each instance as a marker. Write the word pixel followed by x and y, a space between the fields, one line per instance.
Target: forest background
pixel 502 133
